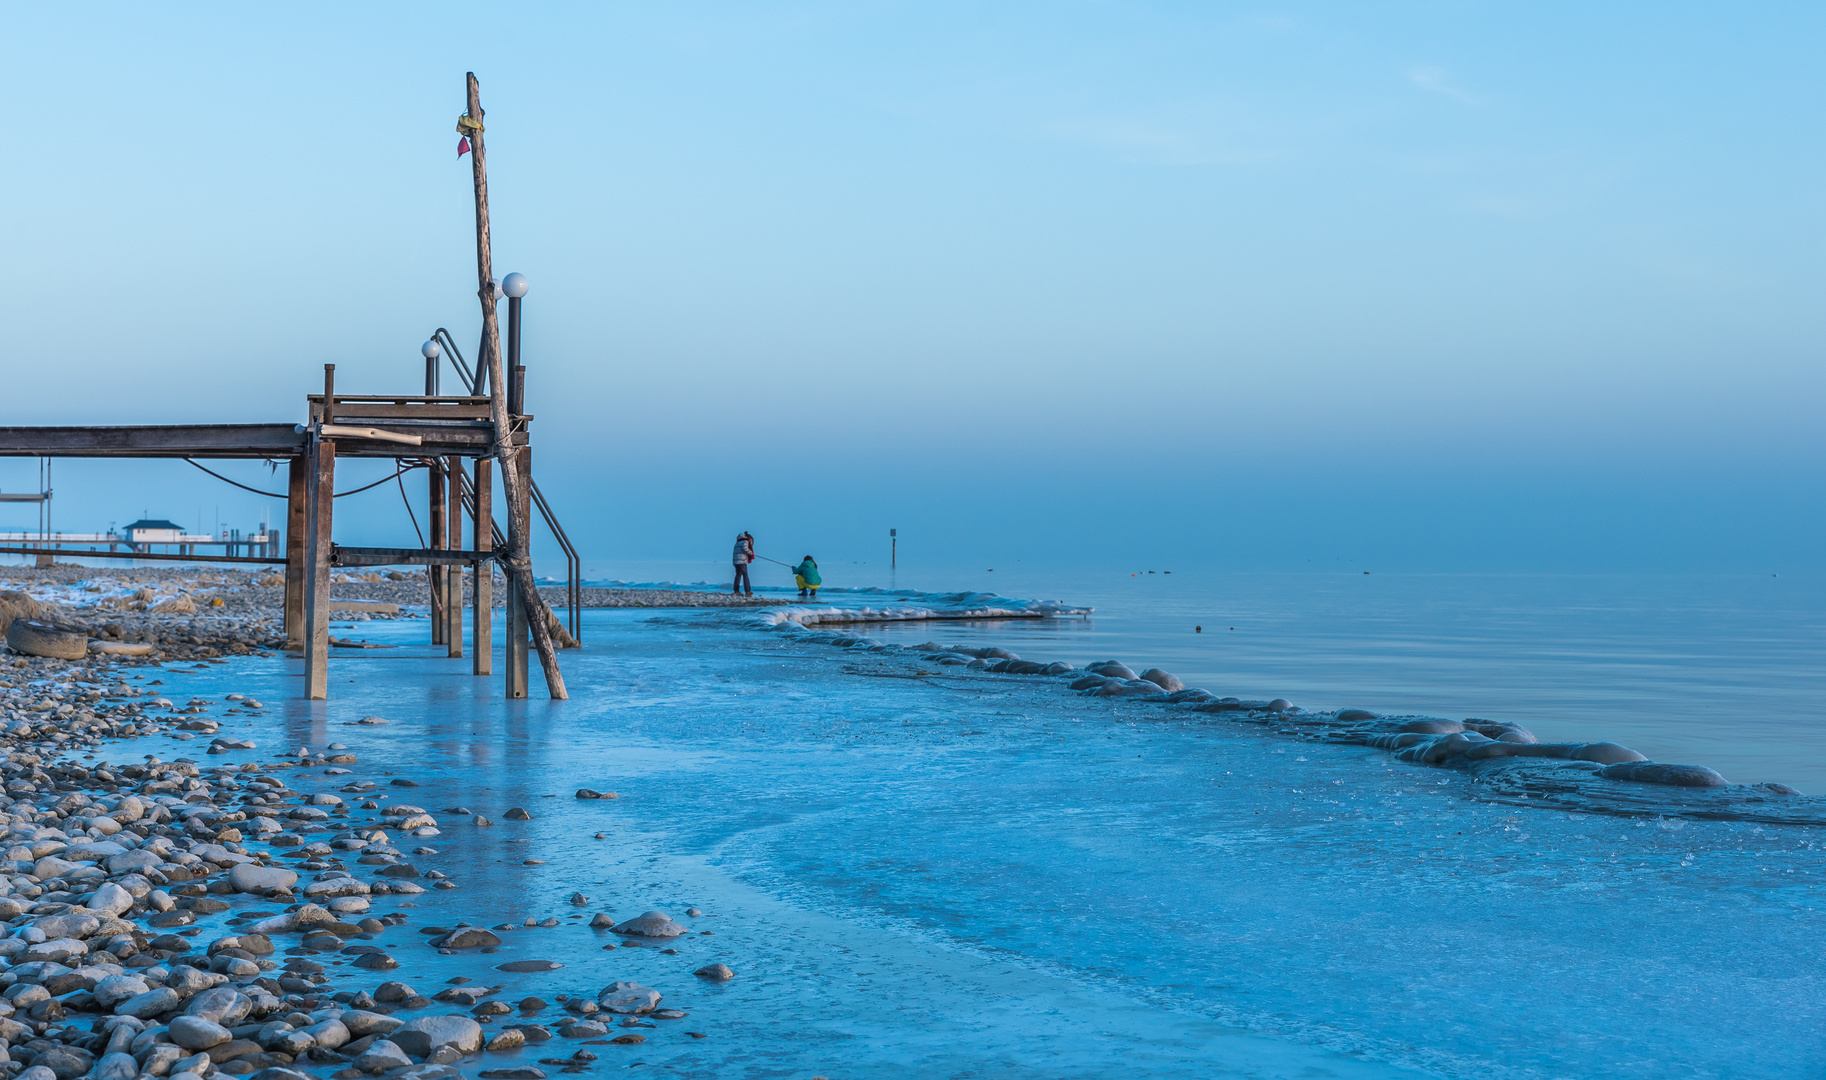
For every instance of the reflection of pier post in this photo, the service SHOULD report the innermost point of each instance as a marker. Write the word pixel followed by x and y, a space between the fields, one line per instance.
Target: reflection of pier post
pixel 322 458
pixel 519 628
pixel 484 643
pixel 436 574
pixel 297 517
pixel 453 574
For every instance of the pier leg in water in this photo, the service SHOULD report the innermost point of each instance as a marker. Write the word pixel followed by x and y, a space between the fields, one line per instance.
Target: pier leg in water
pixel 296 521
pixel 317 562
pixel 514 485
pixel 484 643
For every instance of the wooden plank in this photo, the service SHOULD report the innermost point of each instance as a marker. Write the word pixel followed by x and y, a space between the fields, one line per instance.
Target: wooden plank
pixel 349 413
pixel 379 556
pixel 398 399
pixel 453 575
pixel 484 571
pixel 155 440
pixel 322 487
pixel 297 518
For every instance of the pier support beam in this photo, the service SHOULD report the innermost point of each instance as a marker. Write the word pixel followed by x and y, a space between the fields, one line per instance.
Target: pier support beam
pixel 453 575
pixel 297 516
pixel 322 464
pixel 484 644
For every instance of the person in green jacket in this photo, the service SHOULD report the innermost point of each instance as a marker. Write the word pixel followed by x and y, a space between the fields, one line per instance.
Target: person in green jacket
pixel 806 574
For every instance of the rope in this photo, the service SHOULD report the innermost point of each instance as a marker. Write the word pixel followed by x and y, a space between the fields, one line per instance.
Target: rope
pixel 242 486
pixel 276 495
pixel 409 513
pixel 403 470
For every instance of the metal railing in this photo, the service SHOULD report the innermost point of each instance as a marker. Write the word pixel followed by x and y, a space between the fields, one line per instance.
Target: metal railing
pixel 573 564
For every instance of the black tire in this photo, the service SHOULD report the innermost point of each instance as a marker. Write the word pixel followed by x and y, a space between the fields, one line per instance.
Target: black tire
pixel 42 639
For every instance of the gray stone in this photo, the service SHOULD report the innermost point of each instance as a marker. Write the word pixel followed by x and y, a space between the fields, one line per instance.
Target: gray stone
pixel 1165 680
pixel 360 1022
pixel 328 1034
pixel 427 1033
pixel 651 924
pixel 111 899
pixel 260 880
pixel 149 1004
pixel 381 1055
pixel 137 859
pixel 628 998
pixel 58 951
pixel 196 1033
pixel 65 1062
pixel 714 971
pixel 115 989
pixel 466 937
pixel 36 1072
pixel 116 1067
pixel 220 1005
pixel 390 992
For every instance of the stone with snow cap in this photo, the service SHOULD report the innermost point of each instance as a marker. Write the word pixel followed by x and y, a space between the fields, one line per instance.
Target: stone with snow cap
pixel 628 998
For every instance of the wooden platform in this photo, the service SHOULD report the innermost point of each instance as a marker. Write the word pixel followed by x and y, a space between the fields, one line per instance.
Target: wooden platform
pixel 437 432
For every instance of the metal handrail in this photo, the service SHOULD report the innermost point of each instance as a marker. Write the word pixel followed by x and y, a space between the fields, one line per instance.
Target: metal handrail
pixel 573 563
pixel 472 380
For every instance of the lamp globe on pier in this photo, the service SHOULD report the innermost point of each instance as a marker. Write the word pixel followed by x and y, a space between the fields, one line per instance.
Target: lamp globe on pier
pixel 431 351
pixel 514 286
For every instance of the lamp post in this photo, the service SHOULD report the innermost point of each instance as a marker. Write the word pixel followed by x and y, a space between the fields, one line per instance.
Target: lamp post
pixel 431 351
pixel 514 286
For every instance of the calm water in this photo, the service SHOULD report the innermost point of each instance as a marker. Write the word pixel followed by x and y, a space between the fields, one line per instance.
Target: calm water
pixel 1723 671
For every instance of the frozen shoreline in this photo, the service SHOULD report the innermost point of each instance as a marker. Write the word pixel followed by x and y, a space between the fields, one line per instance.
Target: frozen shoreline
pixel 889 846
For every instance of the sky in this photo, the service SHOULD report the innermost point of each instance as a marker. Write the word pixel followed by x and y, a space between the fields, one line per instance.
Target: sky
pixel 1438 286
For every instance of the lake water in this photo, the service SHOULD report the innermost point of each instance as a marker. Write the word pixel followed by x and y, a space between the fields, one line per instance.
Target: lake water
pixel 1723 671
pixel 965 874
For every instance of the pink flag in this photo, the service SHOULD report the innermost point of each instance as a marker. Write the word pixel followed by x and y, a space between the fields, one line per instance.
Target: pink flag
pixel 462 146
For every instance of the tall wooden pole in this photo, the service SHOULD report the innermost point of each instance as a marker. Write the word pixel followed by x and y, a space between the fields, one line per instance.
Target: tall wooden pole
pixel 519 565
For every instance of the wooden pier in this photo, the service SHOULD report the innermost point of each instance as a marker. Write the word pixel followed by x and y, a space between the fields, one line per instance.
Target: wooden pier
pixel 456 438
pixel 450 437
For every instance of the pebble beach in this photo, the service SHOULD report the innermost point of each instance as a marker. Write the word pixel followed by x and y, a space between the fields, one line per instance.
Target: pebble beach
pixel 185 915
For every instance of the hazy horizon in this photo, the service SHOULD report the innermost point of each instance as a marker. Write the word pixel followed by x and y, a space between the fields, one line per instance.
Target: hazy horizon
pixel 1429 287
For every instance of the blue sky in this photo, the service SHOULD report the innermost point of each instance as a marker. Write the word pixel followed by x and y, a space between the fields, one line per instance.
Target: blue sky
pixel 1432 285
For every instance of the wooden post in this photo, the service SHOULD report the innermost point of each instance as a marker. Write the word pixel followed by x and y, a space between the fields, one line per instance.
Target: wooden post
pixel 297 518
pixel 453 576
pixel 435 574
pixel 484 643
pixel 519 564
pixel 317 555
